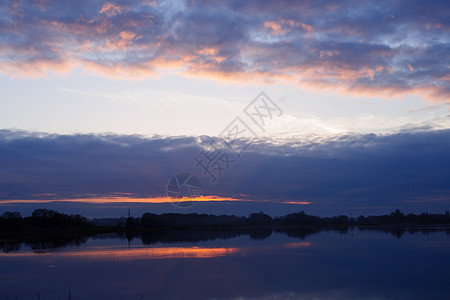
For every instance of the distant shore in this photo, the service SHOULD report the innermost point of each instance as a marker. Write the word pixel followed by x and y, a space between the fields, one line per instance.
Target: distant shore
pixel 50 224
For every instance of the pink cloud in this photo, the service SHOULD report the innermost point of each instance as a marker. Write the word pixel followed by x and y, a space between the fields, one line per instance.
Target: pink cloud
pixel 110 9
pixel 339 49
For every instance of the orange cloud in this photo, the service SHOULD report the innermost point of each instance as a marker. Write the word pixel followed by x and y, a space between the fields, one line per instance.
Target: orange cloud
pixel 124 40
pixel 308 28
pixel 274 27
pixel 109 200
pixel 211 53
pixel 151 3
pixel 110 9
pixel 297 202
pixel 208 51
pixel 284 26
pixel 112 43
pixel 37 68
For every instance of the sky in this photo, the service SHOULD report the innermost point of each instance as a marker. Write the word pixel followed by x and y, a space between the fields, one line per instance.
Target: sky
pixel 103 102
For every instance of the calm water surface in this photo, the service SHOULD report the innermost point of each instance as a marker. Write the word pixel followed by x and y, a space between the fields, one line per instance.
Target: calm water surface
pixel 358 264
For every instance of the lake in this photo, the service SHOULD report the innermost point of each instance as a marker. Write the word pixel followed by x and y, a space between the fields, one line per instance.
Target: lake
pixel 261 264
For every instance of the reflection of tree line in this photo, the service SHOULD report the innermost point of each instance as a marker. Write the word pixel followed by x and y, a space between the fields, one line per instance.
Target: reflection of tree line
pixel 147 238
pixel 169 236
pixel 197 235
pixel 43 244
pixel 63 230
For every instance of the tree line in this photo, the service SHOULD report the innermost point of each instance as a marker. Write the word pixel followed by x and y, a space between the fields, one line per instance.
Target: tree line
pixel 44 218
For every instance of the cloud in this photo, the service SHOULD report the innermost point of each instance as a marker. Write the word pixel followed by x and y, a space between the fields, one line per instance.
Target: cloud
pixel 385 48
pixel 111 10
pixel 347 172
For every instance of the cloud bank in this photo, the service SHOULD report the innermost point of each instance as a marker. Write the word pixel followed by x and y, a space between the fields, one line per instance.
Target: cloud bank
pixel 371 47
pixel 352 172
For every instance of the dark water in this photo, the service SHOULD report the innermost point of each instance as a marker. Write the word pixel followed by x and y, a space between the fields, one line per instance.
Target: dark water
pixel 370 264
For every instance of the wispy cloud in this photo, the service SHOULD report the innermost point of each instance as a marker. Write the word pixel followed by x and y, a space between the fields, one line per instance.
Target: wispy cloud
pixel 378 48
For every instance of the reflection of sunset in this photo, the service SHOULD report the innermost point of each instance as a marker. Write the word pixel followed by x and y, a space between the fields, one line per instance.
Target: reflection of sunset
pixel 298 245
pixel 107 253
pixel 137 253
pixel 155 253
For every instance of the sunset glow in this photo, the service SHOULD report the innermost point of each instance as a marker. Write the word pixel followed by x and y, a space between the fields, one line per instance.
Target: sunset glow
pixel 297 202
pixel 105 101
pixel 107 200
pixel 230 149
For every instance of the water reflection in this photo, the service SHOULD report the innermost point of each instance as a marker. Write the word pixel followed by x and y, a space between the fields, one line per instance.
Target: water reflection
pixel 137 253
pixel 41 245
pixel 195 236
pixel 289 264
pixel 114 253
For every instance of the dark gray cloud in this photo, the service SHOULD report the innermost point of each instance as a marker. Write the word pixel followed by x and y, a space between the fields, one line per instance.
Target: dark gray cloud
pixel 377 47
pixel 354 172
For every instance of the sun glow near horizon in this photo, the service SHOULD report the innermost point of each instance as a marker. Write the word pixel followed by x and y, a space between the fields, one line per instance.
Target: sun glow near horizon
pixel 154 200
